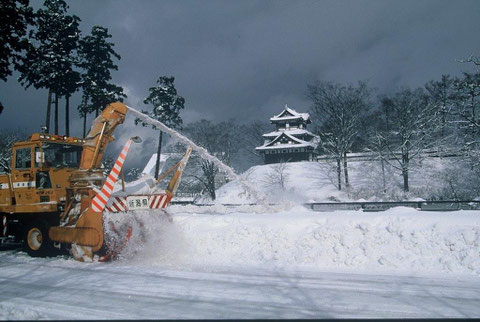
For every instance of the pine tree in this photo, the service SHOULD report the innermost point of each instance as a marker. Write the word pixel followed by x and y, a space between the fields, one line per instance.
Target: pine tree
pixel 49 56
pixel 166 108
pixel 16 17
pixel 71 84
pixel 96 56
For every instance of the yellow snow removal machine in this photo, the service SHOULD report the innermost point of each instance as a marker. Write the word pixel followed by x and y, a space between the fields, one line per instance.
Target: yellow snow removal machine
pixel 55 192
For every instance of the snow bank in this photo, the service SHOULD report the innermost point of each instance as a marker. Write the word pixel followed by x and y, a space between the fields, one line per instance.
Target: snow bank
pixel 398 240
pixel 17 312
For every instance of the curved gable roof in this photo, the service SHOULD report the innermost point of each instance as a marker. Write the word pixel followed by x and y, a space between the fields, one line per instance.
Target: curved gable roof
pixel 290 114
pixel 297 143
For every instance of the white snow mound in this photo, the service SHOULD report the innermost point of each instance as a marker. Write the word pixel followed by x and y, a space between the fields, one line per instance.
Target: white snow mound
pixel 398 240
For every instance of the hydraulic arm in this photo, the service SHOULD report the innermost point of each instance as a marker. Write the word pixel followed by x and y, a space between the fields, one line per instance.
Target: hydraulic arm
pixel 80 225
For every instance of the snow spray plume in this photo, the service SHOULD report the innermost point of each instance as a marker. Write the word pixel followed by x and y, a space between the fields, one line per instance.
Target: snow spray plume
pixel 260 197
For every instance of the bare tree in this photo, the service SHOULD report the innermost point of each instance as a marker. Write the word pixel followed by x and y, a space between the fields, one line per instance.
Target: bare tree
pixel 251 136
pixel 379 144
pixel 468 101
pixel 219 140
pixel 413 123
pixel 472 59
pixel 467 117
pixel 441 95
pixel 277 176
pixel 337 110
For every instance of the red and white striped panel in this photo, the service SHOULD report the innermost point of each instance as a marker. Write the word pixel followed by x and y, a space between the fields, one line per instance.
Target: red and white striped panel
pixel 120 204
pixel 158 201
pixel 117 204
pixel 100 200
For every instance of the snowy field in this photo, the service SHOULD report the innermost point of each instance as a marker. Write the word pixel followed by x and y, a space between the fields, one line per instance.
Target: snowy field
pixel 216 262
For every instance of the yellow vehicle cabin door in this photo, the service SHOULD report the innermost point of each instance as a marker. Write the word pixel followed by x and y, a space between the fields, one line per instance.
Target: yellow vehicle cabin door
pixel 23 180
pixel 43 180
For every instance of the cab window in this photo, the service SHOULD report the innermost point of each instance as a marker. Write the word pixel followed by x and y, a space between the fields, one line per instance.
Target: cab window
pixel 23 158
pixel 62 155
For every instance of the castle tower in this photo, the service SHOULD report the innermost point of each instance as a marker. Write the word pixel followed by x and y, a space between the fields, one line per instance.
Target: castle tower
pixel 290 142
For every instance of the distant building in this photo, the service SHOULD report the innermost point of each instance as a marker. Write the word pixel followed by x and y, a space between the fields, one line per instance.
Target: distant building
pixel 290 141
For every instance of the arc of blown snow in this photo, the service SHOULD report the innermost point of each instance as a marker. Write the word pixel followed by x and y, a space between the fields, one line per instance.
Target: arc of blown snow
pixel 202 151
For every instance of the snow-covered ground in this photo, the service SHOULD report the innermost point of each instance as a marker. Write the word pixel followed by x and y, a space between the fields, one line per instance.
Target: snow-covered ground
pixel 281 261
pixel 305 181
pixel 64 289
pixel 302 182
pixel 256 262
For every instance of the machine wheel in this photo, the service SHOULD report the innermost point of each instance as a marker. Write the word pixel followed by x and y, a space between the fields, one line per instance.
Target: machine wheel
pixel 36 241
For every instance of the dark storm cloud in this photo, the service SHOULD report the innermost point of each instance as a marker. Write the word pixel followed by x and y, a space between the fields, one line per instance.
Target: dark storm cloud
pixel 247 59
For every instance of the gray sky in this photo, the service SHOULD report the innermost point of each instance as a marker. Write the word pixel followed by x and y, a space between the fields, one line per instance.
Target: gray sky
pixel 247 59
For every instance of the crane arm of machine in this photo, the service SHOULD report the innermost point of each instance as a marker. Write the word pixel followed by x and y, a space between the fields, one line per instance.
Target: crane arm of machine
pixel 80 225
pixel 100 134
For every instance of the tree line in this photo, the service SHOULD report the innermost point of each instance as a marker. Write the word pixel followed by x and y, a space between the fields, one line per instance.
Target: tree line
pixel 48 50
pixel 399 127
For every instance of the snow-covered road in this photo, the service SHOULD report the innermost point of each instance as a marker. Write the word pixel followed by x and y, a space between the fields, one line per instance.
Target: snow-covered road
pixel 61 288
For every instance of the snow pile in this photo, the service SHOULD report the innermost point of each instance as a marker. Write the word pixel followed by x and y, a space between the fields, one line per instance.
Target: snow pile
pixel 17 312
pixel 399 240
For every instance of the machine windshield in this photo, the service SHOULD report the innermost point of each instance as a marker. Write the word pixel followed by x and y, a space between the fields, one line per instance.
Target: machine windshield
pixel 62 155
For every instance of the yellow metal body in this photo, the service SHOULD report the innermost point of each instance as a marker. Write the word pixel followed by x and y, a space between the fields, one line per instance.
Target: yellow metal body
pixel 100 134
pixel 32 186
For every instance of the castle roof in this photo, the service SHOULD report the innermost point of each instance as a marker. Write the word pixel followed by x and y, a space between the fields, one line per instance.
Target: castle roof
pixel 293 143
pixel 290 114
pixel 274 134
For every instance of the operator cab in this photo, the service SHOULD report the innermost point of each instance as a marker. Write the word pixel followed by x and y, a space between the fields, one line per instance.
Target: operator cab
pixel 40 170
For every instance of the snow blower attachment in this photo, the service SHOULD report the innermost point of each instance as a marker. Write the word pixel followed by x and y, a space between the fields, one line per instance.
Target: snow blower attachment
pixel 148 201
pixel 153 200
